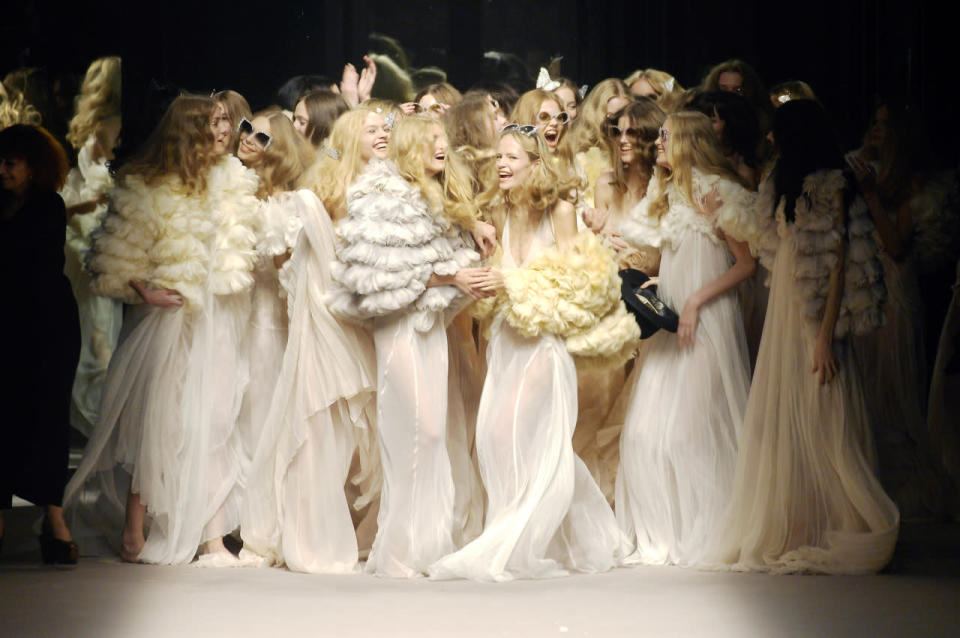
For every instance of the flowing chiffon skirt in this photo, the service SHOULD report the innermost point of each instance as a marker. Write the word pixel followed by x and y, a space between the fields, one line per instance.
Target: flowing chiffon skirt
pixel 678 448
pixel 416 520
pixel 545 514
pixel 805 498
pixel 295 511
pixel 168 432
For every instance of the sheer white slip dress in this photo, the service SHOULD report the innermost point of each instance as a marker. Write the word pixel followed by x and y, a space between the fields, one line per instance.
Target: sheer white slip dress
pixel 100 317
pixel 545 515
pixel 295 511
pixel 678 447
pixel 804 497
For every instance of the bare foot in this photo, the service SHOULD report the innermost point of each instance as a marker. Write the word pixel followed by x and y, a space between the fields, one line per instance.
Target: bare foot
pixel 130 547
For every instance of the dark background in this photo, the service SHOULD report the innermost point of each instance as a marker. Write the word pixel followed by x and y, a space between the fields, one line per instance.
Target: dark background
pixel 849 51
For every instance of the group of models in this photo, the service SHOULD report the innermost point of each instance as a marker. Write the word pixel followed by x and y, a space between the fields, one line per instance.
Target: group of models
pixel 371 332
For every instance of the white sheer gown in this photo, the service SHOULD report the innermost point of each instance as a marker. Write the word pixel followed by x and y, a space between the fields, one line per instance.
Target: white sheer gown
pixel 804 497
pixel 101 318
pixel 168 431
pixel 545 515
pixel 678 447
pixel 295 511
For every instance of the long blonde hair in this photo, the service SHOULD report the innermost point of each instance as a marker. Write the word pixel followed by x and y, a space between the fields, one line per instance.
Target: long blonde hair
pixel 547 182
pixel 449 194
pixel 339 162
pixel 182 145
pixel 668 93
pixel 692 144
pixel 286 159
pixel 471 156
pixel 98 100
pixel 588 130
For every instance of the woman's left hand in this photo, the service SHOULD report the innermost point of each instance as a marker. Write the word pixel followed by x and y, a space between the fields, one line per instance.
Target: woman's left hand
pixel 687 328
pixel 823 361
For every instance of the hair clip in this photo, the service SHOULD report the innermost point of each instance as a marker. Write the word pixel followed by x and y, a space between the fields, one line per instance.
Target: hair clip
pixel 524 129
pixel 332 152
pixel 544 82
pixel 783 98
pixel 582 91
pixel 670 84
pixel 390 120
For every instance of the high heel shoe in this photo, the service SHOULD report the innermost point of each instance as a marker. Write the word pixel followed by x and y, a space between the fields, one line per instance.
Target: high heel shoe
pixel 55 551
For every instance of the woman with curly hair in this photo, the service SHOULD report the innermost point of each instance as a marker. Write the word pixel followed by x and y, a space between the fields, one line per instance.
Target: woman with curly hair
pixel 40 356
pixel 407 266
pixel 557 295
pixel 94 131
pixel 178 243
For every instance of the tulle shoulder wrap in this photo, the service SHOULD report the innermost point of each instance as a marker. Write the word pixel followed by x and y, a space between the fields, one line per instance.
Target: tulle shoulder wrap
pixel 190 243
pixel 281 221
pixel 390 244
pixel 574 294
pixel 735 216
pixel 818 231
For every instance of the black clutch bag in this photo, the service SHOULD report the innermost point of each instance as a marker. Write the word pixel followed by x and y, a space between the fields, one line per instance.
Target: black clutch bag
pixel 647 308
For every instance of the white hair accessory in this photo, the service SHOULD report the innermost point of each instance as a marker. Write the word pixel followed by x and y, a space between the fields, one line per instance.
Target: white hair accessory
pixel 670 84
pixel 784 98
pixel 332 152
pixel 390 120
pixel 544 82
pixel 582 91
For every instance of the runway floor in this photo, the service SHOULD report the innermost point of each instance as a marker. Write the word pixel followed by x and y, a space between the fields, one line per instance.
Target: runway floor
pixel 918 595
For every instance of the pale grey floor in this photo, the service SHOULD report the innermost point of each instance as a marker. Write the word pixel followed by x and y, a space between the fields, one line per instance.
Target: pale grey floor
pixel 920 596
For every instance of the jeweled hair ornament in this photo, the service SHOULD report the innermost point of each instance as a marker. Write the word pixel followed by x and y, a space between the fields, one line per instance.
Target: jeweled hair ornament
pixel 544 82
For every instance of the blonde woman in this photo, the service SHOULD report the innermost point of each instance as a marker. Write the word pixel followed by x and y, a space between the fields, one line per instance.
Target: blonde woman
pixel 309 404
pixel 556 297
pixel 678 447
pixel 658 85
pixel 178 242
pixel 406 266
pixel 357 136
pixel 94 131
pixel 236 108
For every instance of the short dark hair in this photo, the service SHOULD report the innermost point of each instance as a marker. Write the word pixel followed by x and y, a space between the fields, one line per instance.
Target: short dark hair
pixel 40 150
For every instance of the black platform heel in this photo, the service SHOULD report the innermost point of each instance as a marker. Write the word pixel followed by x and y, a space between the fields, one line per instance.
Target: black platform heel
pixel 55 551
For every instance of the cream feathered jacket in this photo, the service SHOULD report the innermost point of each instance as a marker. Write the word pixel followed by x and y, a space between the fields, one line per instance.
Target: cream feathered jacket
pixel 389 246
pixel 573 293
pixel 189 243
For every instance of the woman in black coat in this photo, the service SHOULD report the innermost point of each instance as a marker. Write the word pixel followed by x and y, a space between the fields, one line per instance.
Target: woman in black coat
pixel 41 333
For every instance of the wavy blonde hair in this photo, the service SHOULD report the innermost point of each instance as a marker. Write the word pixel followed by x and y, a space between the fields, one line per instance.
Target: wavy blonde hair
pixel 668 93
pixel 182 145
pixel 471 156
pixel 287 158
pixel 692 144
pixel 449 194
pixel 98 100
pixel 547 183
pixel 339 162
pixel 589 129
pixel 14 109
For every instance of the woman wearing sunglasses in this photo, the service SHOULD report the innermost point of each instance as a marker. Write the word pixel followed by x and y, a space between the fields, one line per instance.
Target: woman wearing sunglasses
pixel 318 372
pixel 678 447
pixel 556 296
pixel 603 393
pixel 406 266
pixel 178 243
pixel 542 109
